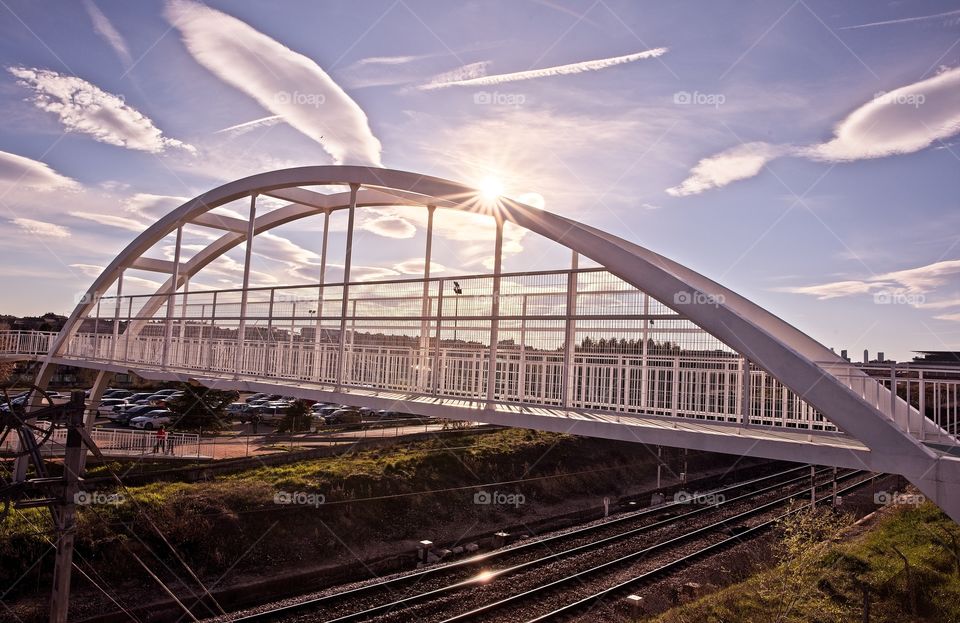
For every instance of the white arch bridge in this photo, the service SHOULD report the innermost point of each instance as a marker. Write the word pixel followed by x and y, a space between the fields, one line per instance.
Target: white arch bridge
pixel 634 347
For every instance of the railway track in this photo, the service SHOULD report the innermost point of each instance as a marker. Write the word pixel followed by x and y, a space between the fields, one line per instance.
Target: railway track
pixel 391 595
pixel 545 592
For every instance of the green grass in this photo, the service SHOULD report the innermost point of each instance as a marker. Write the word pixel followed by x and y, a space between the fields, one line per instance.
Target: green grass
pixel 213 522
pixel 830 586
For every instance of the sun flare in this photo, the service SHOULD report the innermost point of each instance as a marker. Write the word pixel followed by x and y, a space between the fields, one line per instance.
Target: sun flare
pixel 491 188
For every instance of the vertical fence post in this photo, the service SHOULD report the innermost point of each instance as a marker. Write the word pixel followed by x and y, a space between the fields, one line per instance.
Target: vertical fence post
pixel 745 390
pixel 423 355
pixel 171 300
pixel 437 372
pixel 318 332
pixel 495 310
pixel 570 333
pixel 345 297
pixel 116 318
pixel 247 257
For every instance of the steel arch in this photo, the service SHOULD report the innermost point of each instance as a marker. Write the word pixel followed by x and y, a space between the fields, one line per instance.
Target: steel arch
pixel 799 362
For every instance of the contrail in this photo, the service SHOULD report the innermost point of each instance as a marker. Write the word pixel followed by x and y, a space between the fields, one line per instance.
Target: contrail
pixel 903 20
pixel 559 70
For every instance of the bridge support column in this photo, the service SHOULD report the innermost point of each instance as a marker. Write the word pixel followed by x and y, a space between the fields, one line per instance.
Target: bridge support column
pixel 495 311
pixel 351 214
pixel 424 352
pixel 182 331
pixel 318 331
pixel 745 392
pixel 570 333
pixel 644 351
pixel 171 298
pixel 116 319
pixel 247 256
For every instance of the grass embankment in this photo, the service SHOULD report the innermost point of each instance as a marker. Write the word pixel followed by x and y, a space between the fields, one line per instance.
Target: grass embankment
pixel 371 497
pixel 826 577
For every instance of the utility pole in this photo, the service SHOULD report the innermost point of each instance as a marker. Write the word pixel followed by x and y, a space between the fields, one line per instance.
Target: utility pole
pixel 659 465
pixel 65 513
pixel 813 485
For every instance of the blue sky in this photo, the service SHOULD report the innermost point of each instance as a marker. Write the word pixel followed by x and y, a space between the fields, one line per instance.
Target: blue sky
pixel 803 153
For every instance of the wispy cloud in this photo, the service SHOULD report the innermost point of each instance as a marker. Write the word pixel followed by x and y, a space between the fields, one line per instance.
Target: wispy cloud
pixel 471 71
pixel 151 207
pixel 243 128
pixel 902 121
pixel 907 20
pixel 393 60
pixel 85 108
pixel 734 164
pixel 111 220
pixel 93 271
pixel 414 266
pixel 390 226
pixel 41 228
pixel 919 280
pixel 104 27
pixel 285 82
pixel 558 70
pixel 22 172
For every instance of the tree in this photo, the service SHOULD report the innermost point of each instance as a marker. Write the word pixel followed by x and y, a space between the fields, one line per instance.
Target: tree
pixel 297 418
pixel 805 536
pixel 6 370
pixel 201 408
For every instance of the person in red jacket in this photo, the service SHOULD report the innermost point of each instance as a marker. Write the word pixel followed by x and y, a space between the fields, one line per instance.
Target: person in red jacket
pixel 161 442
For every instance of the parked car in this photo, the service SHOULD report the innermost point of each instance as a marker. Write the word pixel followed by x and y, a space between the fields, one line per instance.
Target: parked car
pixel 167 392
pixel 239 411
pixel 109 405
pixel 152 419
pixel 367 413
pixel 386 414
pixel 117 393
pixel 276 403
pixel 123 417
pixel 268 414
pixel 343 416
pixel 253 397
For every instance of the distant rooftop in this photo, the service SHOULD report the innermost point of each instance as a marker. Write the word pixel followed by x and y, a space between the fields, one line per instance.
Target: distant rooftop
pixel 949 357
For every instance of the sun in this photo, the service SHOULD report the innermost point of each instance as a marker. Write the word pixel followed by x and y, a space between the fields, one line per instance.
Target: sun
pixel 491 188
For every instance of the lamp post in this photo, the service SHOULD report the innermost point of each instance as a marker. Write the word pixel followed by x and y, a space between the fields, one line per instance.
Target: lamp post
pixel 456 310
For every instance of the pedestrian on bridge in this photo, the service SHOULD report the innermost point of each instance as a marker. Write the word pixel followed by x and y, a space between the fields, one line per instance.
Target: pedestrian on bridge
pixel 161 441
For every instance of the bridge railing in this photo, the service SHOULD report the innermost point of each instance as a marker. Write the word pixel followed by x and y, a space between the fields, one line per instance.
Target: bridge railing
pixel 579 339
pixel 26 342
pixel 119 442
pixel 703 387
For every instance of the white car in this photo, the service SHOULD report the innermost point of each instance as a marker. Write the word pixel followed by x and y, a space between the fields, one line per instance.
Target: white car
pixel 109 405
pixel 154 419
